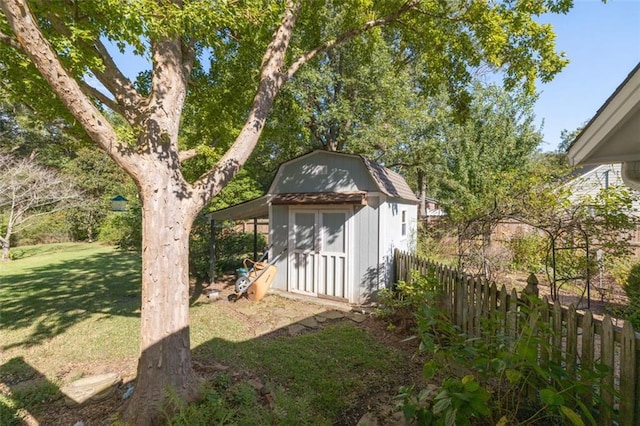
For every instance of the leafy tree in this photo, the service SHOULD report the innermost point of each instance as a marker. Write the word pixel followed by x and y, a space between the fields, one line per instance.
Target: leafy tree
pixel 99 179
pixel 22 133
pixel 483 155
pixel 50 49
pixel 566 139
pixel 28 191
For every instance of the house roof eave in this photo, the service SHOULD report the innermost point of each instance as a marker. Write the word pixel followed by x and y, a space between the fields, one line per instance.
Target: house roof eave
pixel 600 141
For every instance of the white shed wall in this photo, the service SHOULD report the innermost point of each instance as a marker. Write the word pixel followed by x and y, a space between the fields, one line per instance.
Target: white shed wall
pixel 396 234
pixel 366 271
pixel 279 236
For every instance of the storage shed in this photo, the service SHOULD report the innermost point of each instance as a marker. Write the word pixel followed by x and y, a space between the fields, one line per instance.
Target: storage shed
pixel 334 222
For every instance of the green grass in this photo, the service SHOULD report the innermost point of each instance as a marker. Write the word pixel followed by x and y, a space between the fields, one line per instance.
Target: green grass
pixel 63 309
pixel 67 308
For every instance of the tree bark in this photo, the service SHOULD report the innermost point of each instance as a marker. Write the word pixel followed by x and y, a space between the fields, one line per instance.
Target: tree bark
pixel 4 243
pixel 164 366
pixel 422 188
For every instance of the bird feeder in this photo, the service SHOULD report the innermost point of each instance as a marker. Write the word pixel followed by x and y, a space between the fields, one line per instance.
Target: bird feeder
pixel 119 204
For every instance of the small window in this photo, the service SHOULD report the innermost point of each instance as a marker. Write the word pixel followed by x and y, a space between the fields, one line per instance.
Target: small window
pixel 404 223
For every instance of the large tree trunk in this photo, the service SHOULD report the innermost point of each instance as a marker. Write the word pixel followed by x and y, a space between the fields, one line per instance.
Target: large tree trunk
pixel 164 367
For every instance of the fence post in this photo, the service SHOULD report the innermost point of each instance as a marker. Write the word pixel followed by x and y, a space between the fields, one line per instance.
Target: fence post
pixel 627 376
pixel 607 359
pixel 588 342
pixel 532 286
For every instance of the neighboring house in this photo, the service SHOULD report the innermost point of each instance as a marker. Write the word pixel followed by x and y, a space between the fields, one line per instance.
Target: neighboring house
pixel 590 180
pixel 613 134
pixel 334 222
pixel 433 212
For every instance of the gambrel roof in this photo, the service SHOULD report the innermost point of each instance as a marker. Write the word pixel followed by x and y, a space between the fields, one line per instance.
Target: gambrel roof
pixel 328 186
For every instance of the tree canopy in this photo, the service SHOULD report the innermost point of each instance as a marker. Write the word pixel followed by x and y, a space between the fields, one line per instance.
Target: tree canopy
pixel 216 68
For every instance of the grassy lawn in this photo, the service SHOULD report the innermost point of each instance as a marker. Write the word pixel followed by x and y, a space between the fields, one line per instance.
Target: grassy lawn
pixel 70 310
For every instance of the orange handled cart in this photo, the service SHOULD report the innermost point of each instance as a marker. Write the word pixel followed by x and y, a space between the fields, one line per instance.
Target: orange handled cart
pixel 258 279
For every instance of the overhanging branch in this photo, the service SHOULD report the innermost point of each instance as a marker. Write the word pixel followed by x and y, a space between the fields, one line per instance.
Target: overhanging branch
pixel 41 53
pixel 330 44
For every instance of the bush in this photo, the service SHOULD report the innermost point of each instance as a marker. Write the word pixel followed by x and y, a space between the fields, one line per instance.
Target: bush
pixel 123 229
pixel 397 305
pixel 528 252
pixel 496 379
pixel 46 229
pixel 233 246
pixel 625 272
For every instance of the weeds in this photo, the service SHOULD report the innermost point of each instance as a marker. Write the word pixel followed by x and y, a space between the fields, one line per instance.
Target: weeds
pixel 492 379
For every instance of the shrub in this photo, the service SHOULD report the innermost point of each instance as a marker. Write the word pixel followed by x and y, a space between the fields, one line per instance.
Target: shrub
pixel 495 379
pixel 632 288
pixel 397 305
pixel 528 252
pixel 232 247
pixel 123 229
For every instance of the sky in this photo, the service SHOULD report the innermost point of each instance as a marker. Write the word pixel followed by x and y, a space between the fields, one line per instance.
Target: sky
pixel 602 41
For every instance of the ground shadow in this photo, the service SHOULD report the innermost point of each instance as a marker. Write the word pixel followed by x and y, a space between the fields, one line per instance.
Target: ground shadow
pixel 20 386
pixel 335 367
pixel 53 298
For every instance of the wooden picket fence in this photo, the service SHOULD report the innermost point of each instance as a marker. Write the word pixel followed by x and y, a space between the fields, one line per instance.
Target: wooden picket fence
pixel 579 341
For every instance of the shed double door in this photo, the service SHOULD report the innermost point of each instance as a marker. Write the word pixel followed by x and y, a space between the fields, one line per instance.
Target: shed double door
pixel 318 253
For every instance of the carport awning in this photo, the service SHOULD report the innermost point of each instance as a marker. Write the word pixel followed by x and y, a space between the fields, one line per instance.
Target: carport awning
pixel 312 198
pixel 252 209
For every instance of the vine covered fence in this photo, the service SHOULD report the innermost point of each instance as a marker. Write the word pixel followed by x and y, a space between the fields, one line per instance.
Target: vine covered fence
pixel 580 340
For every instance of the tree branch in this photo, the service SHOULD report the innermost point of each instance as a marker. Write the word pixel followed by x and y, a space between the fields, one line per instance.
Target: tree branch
pixel 186 155
pixel 101 97
pixel 330 44
pixel 118 84
pixel 271 79
pixel 9 41
pixel 24 26
pixel 127 97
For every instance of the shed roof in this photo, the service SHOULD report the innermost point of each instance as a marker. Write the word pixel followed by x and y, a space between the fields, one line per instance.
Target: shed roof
pixel 389 182
pixel 359 197
pixel 386 180
pixel 256 208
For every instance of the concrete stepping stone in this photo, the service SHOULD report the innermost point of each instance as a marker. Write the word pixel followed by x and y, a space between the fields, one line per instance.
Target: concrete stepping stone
pixel 356 317
pixel 309 322
pixel 90 389
pixel 320 318
pixel 332 315
pixel 263 328
pixel 369 419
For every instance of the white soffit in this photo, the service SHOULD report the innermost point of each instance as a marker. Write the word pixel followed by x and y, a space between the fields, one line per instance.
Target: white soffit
pixel 613 134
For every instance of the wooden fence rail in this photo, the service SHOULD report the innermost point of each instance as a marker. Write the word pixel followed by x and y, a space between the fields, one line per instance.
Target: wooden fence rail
pixel 579 341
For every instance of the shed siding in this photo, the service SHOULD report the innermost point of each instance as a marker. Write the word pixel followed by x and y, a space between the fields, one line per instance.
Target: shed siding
pixel 327 173
pixel 391 233
pixel 279 236
pixel 365 255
